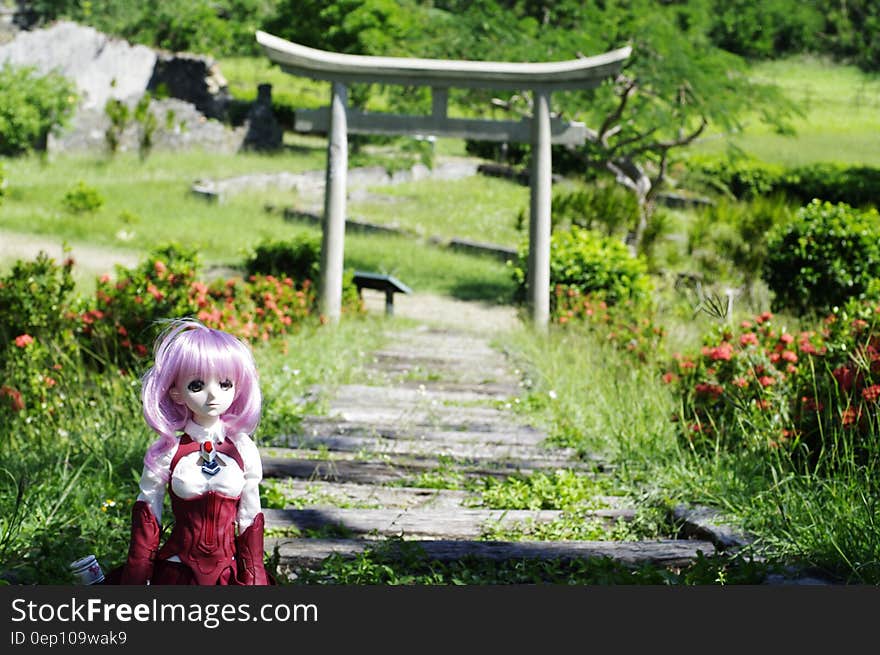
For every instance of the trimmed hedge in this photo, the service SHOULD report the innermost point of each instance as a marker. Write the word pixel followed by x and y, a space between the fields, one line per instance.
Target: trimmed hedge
pixel 858 186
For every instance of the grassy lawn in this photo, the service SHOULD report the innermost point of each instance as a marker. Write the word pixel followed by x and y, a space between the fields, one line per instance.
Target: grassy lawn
pixel 149 203
pixel 841 121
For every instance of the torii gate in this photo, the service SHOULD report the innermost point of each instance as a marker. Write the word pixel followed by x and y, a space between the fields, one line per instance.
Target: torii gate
pixel 338 120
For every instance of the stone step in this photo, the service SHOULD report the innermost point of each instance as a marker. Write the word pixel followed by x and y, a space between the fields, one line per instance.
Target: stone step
pixel 522 435
pixel 479 419
pixel 498 390
pixel 297 552
pixel 323 493
pixel 457 523
pixel 421 395
pixel 412 445
pixel 344 467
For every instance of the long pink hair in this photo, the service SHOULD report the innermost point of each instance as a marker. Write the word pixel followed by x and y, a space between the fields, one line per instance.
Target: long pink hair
pixel 187 349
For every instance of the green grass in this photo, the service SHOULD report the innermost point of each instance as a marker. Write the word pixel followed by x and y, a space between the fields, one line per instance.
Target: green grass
pixel 841 121
pixel 149 203
pixel 475 208
pixel 244 74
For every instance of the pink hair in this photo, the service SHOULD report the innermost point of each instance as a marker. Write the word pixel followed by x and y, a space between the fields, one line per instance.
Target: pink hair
pixel 188 349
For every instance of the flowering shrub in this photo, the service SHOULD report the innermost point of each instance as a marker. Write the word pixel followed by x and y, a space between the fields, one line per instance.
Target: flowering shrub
pixel 34 297
pixel 119 325
pixel 35 335
pixel 32 376
pixel 846 395
pixel 259 308
pixel 760 386
pixel 627 325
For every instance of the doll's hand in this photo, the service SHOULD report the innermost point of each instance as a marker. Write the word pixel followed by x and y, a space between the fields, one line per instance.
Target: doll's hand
pixel 249 554
pixel 143 546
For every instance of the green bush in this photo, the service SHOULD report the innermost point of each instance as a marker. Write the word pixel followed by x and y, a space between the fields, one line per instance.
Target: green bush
pixel 728 239
pixel 298 258
pixel 31 105
pixel 591 263
pixel 82 199
pixel 34 299
pixel 826 255
pixel 36 335
pixel 745 179
pixel 855 185
pixel 742 179
pixel 607 207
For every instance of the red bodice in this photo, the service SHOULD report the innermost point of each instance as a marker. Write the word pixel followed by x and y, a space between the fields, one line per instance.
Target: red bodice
pixel 203 536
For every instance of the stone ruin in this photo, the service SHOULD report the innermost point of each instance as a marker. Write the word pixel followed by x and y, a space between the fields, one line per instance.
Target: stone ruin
pixel 190 98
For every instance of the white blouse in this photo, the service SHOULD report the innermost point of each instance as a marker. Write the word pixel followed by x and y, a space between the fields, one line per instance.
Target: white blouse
pixel 188 480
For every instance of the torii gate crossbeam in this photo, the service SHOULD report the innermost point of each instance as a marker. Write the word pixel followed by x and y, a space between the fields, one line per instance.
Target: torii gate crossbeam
pixel 542 78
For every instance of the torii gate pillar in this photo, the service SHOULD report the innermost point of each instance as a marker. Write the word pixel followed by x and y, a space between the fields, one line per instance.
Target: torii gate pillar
pixel 332 243
pixel 538 284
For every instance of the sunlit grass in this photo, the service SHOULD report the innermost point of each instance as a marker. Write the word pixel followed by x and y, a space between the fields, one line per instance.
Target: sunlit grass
pixel 841 121
pixel 476 208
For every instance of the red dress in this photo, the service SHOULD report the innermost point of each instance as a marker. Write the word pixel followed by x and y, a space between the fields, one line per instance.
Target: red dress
pixel 203 537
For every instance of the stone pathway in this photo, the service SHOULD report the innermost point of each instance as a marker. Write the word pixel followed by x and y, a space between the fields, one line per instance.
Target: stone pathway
pixel 438 405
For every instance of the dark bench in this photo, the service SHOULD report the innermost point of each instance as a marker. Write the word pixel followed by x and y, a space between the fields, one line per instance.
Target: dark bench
pixel 387 283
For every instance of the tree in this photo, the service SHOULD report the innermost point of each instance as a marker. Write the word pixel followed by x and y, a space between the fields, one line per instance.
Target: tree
pixel 675 85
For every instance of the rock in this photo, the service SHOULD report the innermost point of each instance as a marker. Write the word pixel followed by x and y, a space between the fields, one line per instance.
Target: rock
pixel 191 92
pixel 180 126
pixel 102 67
pixel 193 78
pixel 264 133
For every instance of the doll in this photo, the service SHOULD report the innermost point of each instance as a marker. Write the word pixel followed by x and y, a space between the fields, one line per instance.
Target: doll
pixel 202 398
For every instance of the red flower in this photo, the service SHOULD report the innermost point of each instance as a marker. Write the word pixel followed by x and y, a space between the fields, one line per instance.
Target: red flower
pixel 723 351
pixel 153 291
pixel 871 393
pixel 789 356
pixel 23 340
pixel 786 338
pixel 740 382
pixel 850 416
pixel 748 338
pixel 845 377
pixel 714 390
pixel 766 380
pixel 669 377
pixel 812 404
pixel 14 396
pixel 762 404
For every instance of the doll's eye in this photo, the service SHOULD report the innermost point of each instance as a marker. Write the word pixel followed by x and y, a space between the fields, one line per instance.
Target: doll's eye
pixel 195 386
pixel 226 385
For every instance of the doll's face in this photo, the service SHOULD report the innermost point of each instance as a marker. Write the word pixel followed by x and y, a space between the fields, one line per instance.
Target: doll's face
pixel 207 397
